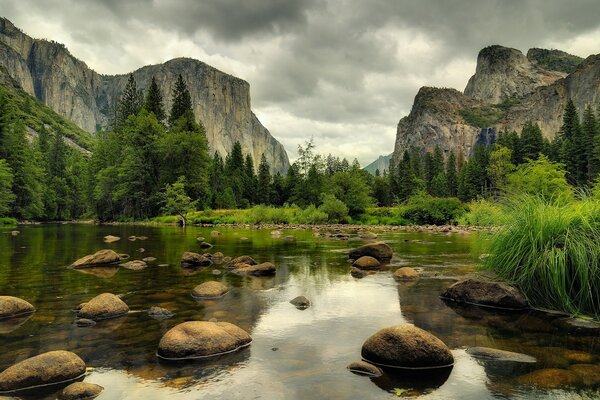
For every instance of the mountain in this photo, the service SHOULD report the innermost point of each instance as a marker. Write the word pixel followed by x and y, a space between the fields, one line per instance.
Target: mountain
pixel 507 90
pixel 382 164
pixel 48 71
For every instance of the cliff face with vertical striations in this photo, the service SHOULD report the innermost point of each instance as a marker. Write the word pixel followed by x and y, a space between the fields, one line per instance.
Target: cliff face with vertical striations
pixel 49 72
pixel 507 90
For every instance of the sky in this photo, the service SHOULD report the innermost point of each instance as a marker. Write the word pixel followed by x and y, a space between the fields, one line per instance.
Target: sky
pixel 341 71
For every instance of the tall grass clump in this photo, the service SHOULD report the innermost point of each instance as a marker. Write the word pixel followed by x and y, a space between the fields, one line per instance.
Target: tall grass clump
pixel 551 251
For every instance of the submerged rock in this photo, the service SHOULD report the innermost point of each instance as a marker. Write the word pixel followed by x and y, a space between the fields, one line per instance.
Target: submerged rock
pixel 487 353
pixel 589 374
pixel 11 307
pixel 263 269
pixel 204 245
pixel 149 259
pixel 135 265
pixel 551 378
pixel 103 306
pixel 367 235
pixel 364 368
pixel 159 313
pixel 215 233
pixel 379 250
pixel 45 369
pixel 84 322
pixel 238 261
pixel 490 294
pixel 367 262
pixel 111 239
pixel 406 346
pixel 300 302
pixel 102 257
pixel 81 391
pixel 195 259
pixel 210 289
pixel 405 274
pixel 358 273
pixel 202 339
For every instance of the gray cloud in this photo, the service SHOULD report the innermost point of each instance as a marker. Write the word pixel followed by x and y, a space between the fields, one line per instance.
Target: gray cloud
pixel 343 71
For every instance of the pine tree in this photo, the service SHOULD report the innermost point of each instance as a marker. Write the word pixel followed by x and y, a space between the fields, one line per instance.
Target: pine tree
pixel 182 100
pixel 234 170
pixel 590 132
pixel 277 194
pixel 6 182
pixel 130 103
pixel 571 143
pixel 452 174
pixel 404 180
pixel 532 141
pixel 154 101
pixel 250 180
pixel 511 141
pixel 264 181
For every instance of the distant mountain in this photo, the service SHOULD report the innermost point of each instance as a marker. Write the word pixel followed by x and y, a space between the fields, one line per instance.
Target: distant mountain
pixel 48 71
pixel 382 164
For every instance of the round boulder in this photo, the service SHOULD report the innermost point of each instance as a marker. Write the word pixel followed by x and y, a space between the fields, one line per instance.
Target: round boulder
pixel 300 302
pixel 102 257
pixel 111 239
pixel 406 346
pixel 11 307
pixel 103 306
pixel 195 259
pixel 378 250
pixel 367 262
pixel 358 273
pixel 81 391
pixel 44 369
pixel 405 274
pixel 135 265
pixel 484 293
pixel 364 368
pixel 240 261
pixel 210 289
pixel 202 339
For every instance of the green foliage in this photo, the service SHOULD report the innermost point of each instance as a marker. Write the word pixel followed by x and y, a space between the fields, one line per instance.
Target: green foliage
pixel 6 182
pixel 424 209
pixel 555 60
pixel 311 215
pixel 182 101
pixel 483 213
pixel 550 251
pixel 353 190
pixel 335 209
pixel 500 167
pixel 154 101
pixel 481 117
pixel 543 178
pixel 7 221
pixel 262 214
pixel 130 103
pixel 177 201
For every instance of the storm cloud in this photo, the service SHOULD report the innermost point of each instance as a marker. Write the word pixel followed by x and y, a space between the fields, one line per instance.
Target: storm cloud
pixel 341 71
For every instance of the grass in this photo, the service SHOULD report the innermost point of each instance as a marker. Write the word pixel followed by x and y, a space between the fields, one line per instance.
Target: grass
pixel 483 213
pixel 551 252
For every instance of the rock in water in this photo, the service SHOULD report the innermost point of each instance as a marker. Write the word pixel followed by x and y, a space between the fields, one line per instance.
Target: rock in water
pixel 491 294
pixel 111 239
pixel 263 269
pixel 550 378
pixel 364 368
pixel 135 265
pixel 406 346
pixel 233 264
pixel 300 302
pixel 210 289
pixel 358 273
pixel 195 259
pixel 103 306
pixel 367 262
pixel 202 339
pixel 11 307
pixel 367 235
pixel 405 274
pixel 205 245
pixel 102 257
pixel 379 250
pixel 159 313
pixel 44 369
pixel 81 391
pixel 487 353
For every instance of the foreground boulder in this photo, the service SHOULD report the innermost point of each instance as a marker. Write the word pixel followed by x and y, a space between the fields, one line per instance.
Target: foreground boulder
pixel 135 265
pixel 44 369
pixel 406 346
pixel 483 293
pixel 264 269
pixel 102 257
pixel 201 339
pixel 367 262
pixel 195 259
pixel 378 250
pixel 11 307
pixel 405 274
pixel 81 391
pixel 210 289
pixel 103 306
pixel 300 302
pixel 364 368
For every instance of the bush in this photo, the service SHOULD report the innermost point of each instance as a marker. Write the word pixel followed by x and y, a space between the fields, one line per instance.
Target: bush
pixel 7 221
pixel 311 215
pixel 424 209
pixel 335 209
pixel 270 215
pixel 483 213
pixel 550 251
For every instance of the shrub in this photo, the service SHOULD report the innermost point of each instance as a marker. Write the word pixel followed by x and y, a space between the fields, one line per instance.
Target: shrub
pixel 270 215
pixel 7 221
pixel 550 251
pixel 541 177
pixel 311 215
pixel 483 213
pixel 424 209
pixel 335 209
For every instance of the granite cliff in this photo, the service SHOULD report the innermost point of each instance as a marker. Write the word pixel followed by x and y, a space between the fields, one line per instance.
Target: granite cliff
pixel 507 90
pixel 47 70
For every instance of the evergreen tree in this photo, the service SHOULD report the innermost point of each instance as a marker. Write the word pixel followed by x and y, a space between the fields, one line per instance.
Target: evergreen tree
pixel 511 141
pixel 532 141
pixel 234 170
pixel 264 181
pixel 589 133
pixel 250 181
pixel 154 101
pixel 217 181
pixel 6 195
pixel 452 175
pixel 404 180
pixel 277 194
pixel 182 100
pixel 571 143
pixel 130 102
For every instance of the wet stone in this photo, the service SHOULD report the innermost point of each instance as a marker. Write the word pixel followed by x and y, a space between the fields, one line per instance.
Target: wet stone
pixel 364 368
pixel 300 302
pixel 81 391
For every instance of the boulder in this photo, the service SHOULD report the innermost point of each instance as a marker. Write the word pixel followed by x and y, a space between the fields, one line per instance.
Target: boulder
pixel 378 250
pixel 367 262
pixel 44 369
pixel 484 293
pixel 159 313
pixel 367 235
pixel 486 353
pixel 358 273
pixel 84 322
pixel 406 346
pixel 81 391
pixel 202 339
pixel 135 265
pixel 300 302
pixel 218 254
pixel 241 260
pixel 204 245
pixel 195 259
pixel 405 274
pixel 111 239
pixel 103 306
pixel 550 378
pixel 264 269
pixel 210 289
pixel 588 373
pixel 11 307
pixel 102 257
pixel 364 368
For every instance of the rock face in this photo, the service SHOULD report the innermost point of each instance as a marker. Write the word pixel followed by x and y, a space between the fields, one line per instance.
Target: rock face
pixel 49 72
pixel 210 289
pixel 81 391
pixel 99 258
pixel 490 294
pixel 201 339
pixel 44 369
pixel 379 250
pixel 103 306
pixel 11 307
pixel 406 346
pixel 382 164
